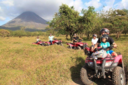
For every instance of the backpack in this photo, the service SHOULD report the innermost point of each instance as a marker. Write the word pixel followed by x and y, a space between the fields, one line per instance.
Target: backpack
pixel 100 54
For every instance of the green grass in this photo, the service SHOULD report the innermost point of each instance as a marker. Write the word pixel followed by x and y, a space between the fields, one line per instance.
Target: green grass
pixel 22 63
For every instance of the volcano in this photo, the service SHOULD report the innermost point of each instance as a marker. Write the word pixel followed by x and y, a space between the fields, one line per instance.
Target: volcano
pixel 27 20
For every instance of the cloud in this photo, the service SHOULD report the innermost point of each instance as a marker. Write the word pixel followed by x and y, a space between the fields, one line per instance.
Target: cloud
pixel 78 4
pixel 122 4
pixel 2 18
pixel 1 9
pixel 44 8
pixel 94 3
pixel 8 2
pixel 109 5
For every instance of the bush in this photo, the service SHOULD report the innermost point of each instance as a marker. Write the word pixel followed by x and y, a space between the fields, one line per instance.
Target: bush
pixel 4 33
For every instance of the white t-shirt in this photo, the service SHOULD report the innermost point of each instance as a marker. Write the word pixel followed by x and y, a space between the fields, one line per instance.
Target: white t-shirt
pixel 94 41
pixel 51 38
pixel 38 40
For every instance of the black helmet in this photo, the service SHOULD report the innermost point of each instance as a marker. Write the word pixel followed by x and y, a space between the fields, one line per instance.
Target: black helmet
pixel 104 36
pixel 94 35
pixel 104 30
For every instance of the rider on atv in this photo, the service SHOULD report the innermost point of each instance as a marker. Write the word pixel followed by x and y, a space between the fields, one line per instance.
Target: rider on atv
pixel 75 39
pixel 38 39
pixel 51 38
pixel 106 45
pixel 110 40
pixel 99 64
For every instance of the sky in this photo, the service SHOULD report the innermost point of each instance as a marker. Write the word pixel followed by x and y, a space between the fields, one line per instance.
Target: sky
pixel 10 9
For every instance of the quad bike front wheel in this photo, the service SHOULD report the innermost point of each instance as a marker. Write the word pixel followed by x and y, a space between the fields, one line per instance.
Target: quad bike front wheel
pixel 79 48
pixel 61 44
pixel 118 76
pixel 42 44
pixel 70 47
pixel 84 74
pixel 48 44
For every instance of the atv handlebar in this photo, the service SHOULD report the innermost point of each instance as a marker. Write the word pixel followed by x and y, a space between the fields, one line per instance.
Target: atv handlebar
pixel 108 48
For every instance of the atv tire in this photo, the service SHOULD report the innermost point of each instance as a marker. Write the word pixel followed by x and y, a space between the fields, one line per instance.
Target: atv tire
pixel 70 47
pixel 61 44
pixel 48 44
pixel 42 44
pixel 84 76
pixel 79 48
pixel 118 76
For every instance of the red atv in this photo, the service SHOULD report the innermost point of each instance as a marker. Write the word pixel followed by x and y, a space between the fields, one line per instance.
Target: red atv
pixel 78 45
pixel 39 43
pixel 55 41
pixel 107 67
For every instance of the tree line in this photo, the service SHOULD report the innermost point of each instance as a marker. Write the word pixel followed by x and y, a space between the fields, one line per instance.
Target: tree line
pixel 22 33
pixel 68 21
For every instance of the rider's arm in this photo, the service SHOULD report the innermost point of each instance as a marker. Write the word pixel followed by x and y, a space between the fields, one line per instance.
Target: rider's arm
pixel 113 43
pixel 92 42
pixel 49 38
pixel 96 45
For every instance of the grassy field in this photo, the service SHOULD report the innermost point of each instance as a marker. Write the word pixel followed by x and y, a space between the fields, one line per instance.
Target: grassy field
pixel 22 63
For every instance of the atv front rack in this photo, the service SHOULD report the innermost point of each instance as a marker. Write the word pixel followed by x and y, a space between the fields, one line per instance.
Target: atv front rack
pixel 102 67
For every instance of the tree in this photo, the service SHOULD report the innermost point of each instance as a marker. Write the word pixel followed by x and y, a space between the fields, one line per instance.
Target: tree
pixel 119 21
pixel 89 20
pixel 66 21
pixel 4 33
pixel 19 33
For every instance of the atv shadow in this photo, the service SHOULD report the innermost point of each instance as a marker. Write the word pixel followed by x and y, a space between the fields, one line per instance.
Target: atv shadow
pixel 75 74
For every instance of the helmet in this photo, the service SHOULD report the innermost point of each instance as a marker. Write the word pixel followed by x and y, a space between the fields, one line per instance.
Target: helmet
pixel 104 30
pixel 94 35
pixel 104 36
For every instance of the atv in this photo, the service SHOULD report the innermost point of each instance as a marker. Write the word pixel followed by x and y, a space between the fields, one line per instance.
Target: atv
pixel 77 45
pixel 55 41
pixel 108 67
pixel 39 43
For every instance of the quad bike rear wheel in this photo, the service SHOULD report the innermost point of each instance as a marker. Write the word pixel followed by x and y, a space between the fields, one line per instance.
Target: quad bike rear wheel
pixel 85 74
pixel 118 76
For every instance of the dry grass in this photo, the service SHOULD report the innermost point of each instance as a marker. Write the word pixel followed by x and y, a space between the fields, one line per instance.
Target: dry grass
pixel 22 63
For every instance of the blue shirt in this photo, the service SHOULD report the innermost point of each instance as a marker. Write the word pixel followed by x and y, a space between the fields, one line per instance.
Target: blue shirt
pixel 105 45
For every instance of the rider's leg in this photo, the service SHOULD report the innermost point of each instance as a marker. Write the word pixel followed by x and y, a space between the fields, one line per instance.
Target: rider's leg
pixel 92 48
pixel 50 42
pixel 114 54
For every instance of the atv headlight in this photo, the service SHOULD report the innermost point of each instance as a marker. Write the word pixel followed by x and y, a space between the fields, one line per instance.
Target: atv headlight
pixel 90 64
pixel 81 44
pixel 107 64
pixel 114 64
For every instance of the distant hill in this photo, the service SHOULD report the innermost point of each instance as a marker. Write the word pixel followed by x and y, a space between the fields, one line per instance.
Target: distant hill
pixel 28 20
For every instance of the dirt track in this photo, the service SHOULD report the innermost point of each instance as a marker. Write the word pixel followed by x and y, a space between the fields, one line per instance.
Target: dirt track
pixel 96 82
